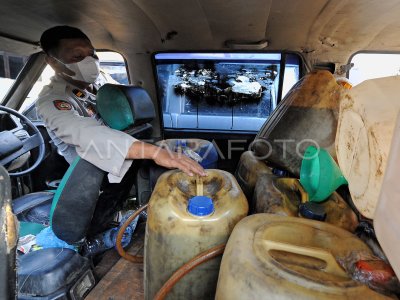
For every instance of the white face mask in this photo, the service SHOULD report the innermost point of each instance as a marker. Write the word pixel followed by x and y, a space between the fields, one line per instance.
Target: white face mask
pixel 86 70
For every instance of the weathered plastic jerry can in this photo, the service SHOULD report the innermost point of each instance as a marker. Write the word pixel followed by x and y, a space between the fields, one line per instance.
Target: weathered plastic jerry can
pixel 387 214
pixel 282 196
pixel 365 133
pixel 274 257
pixel 180 226
pixel 308 115
pixel 200 150
pixel 247 172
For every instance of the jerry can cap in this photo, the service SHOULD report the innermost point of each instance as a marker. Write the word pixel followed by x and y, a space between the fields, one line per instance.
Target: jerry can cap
pixel 200 206
pixel 313 211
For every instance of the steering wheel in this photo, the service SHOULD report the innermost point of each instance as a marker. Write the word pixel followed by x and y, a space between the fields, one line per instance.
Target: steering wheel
pixel 11 147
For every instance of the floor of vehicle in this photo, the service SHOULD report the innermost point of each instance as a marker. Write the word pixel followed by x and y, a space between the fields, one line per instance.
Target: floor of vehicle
pixel 125 279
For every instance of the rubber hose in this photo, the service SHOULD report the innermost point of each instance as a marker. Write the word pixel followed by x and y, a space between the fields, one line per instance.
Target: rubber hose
pixel 186 268
pixel 120 249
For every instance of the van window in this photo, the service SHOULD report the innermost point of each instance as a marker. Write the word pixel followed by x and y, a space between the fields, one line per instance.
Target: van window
pixel 10 66
pixel 373 65
pixel 221 91
pixel 113 70
pixel 292 73
pixel 114 64
pixel 43 80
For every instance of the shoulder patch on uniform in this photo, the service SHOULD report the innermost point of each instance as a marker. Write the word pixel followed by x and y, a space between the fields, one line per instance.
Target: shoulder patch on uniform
pixel 78 93
pixel 62 105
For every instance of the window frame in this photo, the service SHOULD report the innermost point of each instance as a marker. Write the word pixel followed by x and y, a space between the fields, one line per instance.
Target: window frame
pixel 124 59
pixel 366 52
pixel 6 56
pixel 24 81
pixel 30 74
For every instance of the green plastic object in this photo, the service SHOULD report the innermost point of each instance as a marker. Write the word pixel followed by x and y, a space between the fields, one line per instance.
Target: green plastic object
pixel 319 174
pixel 114 107
pixel 26 228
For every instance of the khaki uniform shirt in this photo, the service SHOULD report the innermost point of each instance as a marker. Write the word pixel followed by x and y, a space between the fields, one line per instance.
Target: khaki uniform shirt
pixel 76 128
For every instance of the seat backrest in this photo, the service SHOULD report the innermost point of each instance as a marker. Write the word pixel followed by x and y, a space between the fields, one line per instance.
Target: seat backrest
pixel 75 201
pixel 123 106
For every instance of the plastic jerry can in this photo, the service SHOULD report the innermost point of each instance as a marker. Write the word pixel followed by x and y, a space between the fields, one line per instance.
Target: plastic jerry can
pixel 364 137
pixel 387 214
pixel 204 152
pixel 187 216
pixel 282 196
pixel 248 170
pixel 308 115
pixel 275 257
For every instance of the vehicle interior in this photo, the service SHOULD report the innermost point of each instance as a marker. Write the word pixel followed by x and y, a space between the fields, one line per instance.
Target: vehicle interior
pixel 235 82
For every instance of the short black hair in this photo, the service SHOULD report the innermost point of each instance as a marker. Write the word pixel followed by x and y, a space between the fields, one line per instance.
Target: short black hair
pixel 51 37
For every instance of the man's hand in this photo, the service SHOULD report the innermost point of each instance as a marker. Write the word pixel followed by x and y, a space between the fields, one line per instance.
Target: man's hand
pixel 180 161
pixel 164 158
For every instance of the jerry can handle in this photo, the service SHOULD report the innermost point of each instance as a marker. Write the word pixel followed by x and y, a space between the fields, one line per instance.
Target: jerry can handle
pixel 331 267
pixel 295 184
pixel 199 185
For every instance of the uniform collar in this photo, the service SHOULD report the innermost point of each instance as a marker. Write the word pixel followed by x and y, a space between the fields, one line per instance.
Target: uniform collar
pixel 61 86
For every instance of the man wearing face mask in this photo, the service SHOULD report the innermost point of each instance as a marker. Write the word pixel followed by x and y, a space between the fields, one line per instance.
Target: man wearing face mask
pixel 67 106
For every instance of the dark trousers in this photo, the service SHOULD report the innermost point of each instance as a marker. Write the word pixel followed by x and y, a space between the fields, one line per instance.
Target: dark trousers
pixel 111 200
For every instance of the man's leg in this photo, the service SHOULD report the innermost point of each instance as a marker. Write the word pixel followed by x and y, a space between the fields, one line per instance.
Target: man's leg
pixel 111 200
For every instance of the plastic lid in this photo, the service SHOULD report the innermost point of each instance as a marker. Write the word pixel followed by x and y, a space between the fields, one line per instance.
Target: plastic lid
pixel 200 206
pixel 312 210
pixel 280 173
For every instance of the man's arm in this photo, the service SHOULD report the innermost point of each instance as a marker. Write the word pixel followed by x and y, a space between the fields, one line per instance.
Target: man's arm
pixel 104 147
pixel 168 159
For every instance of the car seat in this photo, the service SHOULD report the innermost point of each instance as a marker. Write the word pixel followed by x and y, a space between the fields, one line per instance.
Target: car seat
pixel 58 272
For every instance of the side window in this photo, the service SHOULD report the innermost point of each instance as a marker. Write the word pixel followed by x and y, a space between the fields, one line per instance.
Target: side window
pixel 221 91
pixel 113 64
pixel 373 65
pixel 27 107
pixel 292 73
pixel 112 70
pixel 10 66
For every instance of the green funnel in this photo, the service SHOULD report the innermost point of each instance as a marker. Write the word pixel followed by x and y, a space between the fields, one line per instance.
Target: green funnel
pixel 319 174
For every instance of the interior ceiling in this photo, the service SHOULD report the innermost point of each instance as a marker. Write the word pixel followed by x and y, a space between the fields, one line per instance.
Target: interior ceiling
pixel 324 30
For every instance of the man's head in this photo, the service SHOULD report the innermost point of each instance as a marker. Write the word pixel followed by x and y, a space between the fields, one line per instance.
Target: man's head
pixel 53 38
pixel 70 52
